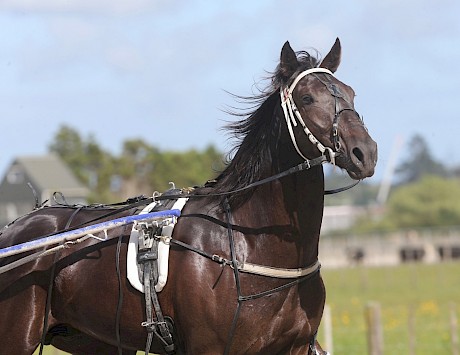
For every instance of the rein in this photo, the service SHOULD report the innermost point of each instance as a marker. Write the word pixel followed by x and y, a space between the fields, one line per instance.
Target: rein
pixel 291 113
pixel 306 165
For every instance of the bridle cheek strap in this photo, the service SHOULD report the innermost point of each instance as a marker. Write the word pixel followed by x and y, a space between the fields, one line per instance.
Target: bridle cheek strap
pixel 293 117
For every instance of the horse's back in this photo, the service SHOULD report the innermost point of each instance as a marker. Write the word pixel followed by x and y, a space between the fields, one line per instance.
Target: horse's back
pixel 36 225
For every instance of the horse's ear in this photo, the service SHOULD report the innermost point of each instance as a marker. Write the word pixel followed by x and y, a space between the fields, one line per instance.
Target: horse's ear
pixel 288 62
pixel 332 59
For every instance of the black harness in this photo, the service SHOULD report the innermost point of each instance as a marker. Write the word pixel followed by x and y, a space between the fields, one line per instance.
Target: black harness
pixel 162 326
pixel 337 94
pixel 232 262
pixel 242 298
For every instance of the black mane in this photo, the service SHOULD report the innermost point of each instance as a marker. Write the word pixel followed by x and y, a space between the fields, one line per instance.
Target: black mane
pixel 257 135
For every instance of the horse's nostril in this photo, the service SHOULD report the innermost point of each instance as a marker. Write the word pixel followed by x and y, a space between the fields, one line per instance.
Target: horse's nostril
pixel 358 154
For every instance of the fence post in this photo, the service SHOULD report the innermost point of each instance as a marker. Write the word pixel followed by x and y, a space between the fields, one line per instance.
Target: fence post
pixel 374 329
pixel 412 335
pixel 454 329
pixel 327 328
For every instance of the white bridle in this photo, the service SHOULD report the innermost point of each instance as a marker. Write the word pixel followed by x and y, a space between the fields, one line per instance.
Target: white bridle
pixel 291 113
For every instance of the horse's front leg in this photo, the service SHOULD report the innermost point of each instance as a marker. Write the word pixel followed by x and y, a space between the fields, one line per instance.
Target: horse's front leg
pixel 21 320
pixel 316 349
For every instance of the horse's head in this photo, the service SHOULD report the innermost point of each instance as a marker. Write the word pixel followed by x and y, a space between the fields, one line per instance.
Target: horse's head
pixel 320 114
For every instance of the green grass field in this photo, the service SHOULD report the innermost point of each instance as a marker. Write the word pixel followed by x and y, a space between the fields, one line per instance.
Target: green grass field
pixel 421 293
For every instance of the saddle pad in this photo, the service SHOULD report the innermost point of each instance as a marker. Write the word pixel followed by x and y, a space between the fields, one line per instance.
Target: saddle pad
pixel 163 252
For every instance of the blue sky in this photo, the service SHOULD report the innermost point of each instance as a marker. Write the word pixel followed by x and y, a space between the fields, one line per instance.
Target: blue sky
pixel 158 70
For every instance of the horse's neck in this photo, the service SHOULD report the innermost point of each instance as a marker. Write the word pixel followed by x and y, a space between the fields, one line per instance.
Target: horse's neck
pixel 303 196
pixel 294 204
pixel 309 193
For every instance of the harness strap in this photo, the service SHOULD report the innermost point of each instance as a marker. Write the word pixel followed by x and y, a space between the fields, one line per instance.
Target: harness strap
pixel 262 270
pixel 342 189
pixel 279 288
pixel 312 346
pixel 231 240
pixel 242 298
pixel 306 165
pixel 50 288
pixel 120 295
pixel 157 327
pixel 281 273
pixel 41 254
pixel 148 324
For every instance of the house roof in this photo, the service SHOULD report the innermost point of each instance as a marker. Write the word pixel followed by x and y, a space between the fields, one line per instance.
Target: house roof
pixel 48 172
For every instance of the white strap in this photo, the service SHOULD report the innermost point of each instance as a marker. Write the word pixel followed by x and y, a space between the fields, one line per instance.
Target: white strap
pixel 305 73
pixel 291 113
pixel 278 272
pixel 290 120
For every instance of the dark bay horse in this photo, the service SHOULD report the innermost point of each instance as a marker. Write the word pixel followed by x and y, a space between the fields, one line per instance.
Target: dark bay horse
pixel 252 213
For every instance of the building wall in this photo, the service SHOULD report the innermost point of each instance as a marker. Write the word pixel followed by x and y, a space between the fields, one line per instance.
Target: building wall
pixel 340 217
pixel 18 198
pixel 427 246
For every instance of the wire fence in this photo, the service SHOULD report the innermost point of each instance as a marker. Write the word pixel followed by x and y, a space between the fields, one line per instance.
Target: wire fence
pixel 415 311
pixel 423 329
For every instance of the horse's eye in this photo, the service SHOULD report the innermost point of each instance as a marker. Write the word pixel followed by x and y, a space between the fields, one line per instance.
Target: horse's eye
pixel 307 100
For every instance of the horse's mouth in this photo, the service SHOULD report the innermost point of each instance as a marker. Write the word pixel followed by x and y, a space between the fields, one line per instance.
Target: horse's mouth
pixel 358 175
pixel 356 169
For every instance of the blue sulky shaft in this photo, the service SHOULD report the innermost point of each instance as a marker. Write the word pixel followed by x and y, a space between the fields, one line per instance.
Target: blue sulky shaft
pixel 76 233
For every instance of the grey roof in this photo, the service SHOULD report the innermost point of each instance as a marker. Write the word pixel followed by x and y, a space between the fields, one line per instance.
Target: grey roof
pixel 49 172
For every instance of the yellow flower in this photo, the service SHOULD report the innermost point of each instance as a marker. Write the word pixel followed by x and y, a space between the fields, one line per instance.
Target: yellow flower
pixel 345 318
pixel 429 308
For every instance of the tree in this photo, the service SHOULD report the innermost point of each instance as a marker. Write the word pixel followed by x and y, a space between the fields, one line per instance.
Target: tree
pixel 140 169
pixel 186 169
pixel 89 162
pixel 420 162
pixel 430 202
pixel 433 201
pixel 70 147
